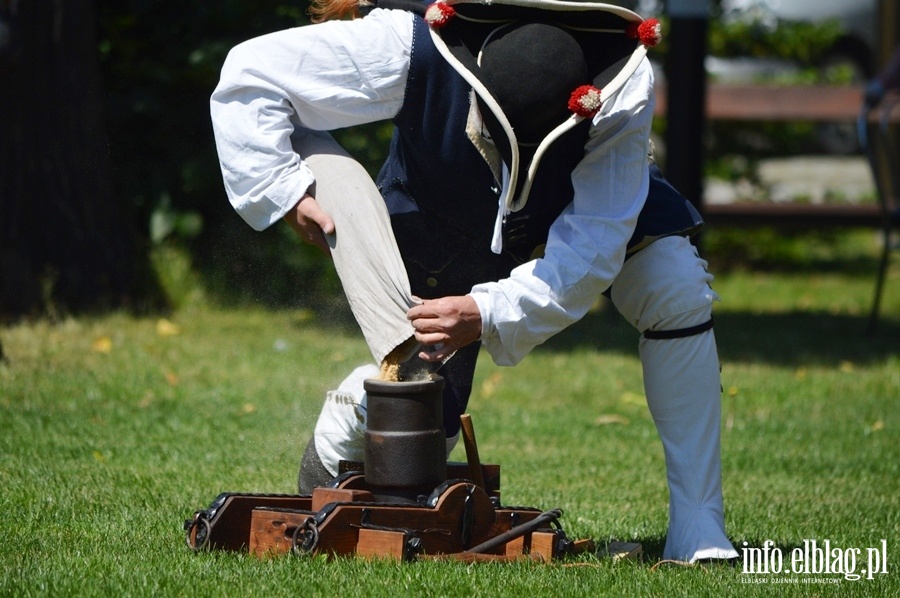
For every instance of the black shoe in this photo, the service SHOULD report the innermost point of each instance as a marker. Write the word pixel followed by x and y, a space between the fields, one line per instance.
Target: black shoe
pixel 312 473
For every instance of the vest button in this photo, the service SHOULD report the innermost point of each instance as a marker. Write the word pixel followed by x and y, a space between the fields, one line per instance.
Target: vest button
pixel 431 281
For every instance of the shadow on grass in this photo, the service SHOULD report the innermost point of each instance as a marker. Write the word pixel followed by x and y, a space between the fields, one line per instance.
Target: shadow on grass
pixel 275 270
pixel 789 339
pixel 802 338
pixel 848 252
pixel 652 548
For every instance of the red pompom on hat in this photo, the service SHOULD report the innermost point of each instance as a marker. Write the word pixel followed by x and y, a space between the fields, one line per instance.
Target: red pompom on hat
pixel 585 101
pixel 648 32
pixel 438 14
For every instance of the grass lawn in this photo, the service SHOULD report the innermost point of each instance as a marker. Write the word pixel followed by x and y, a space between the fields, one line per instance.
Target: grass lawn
pixel 114 429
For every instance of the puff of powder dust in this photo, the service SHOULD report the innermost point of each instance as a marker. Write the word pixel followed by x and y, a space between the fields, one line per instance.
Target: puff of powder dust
pixel 417 370
pixel 390 371
pixel 412 370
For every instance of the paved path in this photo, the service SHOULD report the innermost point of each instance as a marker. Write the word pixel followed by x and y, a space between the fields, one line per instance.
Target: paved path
pixel 814 179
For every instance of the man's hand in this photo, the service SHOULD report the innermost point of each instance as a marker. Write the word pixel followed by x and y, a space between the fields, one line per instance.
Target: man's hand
pixel 449 323
pixel 310 222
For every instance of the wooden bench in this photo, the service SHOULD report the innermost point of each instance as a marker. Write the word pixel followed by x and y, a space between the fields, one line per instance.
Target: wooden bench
pixel 816 103
pixel 772 103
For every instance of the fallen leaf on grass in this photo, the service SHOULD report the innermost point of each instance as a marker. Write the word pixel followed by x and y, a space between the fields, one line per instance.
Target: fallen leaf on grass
pixel 171 378
pixel 303 316
pixel 611 418
pixel 146 400
pixel 490 385
pixel 632 398
pixel 102 344
pixel 166 328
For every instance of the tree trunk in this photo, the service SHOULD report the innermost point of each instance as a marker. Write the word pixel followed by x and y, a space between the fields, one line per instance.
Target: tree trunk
pixel 66 243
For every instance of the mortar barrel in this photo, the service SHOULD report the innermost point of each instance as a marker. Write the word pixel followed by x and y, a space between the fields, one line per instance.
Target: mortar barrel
pixel 405 442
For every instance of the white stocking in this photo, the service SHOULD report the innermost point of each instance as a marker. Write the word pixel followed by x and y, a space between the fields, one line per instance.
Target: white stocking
pixel 682 384
pixel 666 287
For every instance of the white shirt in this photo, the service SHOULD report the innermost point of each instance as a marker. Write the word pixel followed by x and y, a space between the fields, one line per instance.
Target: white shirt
pixel 344 73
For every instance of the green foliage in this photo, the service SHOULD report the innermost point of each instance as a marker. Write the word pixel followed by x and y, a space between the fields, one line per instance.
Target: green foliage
pixel 165 221
pixel 160 63
pixel 805 43
pixel 770 250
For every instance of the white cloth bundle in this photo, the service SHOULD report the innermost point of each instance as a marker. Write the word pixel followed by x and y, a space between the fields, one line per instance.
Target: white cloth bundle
pixel 363 247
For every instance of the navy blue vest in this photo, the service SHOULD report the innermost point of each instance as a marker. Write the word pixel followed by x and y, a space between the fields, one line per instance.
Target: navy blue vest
pixel 443 197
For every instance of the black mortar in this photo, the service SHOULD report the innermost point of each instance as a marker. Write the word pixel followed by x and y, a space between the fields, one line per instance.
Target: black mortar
pixel 405 442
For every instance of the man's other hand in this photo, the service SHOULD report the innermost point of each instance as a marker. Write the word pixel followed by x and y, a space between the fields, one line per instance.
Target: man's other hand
pixel 310 222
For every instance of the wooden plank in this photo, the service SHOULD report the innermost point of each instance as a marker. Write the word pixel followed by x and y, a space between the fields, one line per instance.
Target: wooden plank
pixel 544 544
pixel 272 530
pixel 230 527
pixel 515 547
pixel 825 103
pixel 323 496
pixel 376 543
pixel 455 470
pixel 582 546
pixel 793 216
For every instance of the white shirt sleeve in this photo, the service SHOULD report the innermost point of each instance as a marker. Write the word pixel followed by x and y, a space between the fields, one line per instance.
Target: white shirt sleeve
pixel 320 77
pixel 586 246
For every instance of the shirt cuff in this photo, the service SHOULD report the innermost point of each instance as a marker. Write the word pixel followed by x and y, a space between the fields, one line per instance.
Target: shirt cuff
pixel 483 301
pixel 263 211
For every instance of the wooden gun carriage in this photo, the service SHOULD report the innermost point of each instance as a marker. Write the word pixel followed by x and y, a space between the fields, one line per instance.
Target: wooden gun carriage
pixel 404 501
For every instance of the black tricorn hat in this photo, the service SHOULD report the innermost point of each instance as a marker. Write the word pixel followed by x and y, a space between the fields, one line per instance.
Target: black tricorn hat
pixel 537 67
